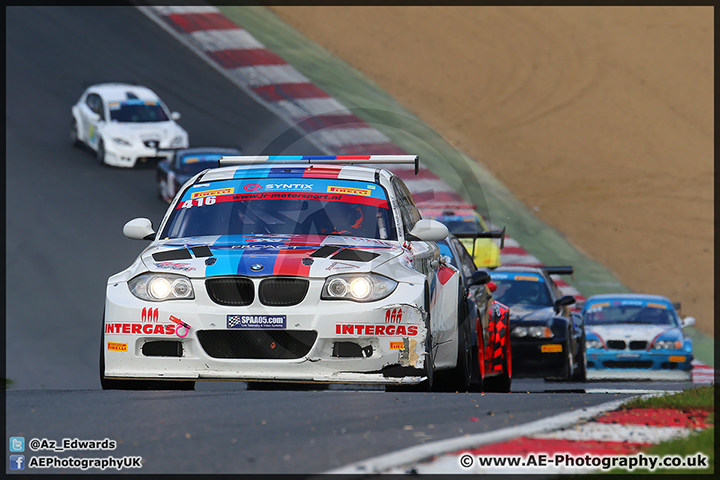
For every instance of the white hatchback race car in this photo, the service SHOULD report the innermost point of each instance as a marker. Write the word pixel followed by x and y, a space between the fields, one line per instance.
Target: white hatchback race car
pixel 125 124
pixel 286 269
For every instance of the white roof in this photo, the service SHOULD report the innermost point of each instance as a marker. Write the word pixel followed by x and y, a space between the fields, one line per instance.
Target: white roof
pixel 119 91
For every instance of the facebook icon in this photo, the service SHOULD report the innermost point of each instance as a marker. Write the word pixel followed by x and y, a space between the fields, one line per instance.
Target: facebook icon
pixel 17 462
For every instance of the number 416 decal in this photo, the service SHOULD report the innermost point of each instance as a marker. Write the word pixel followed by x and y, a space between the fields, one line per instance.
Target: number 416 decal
pixel 200 202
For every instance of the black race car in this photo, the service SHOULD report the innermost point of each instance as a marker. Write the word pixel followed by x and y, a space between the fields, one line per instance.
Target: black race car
pixel 489 351
pixel 183 164
pixel 547 339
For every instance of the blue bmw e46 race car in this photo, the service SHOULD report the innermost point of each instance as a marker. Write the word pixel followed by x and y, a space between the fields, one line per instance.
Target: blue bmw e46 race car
pixel 631 336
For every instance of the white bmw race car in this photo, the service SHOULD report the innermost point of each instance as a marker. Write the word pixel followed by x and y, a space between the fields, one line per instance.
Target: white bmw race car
pixel 125 124
pixel 286 269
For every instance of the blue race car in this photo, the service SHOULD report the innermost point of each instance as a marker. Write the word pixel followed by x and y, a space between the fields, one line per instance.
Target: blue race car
pixel 185 163
pixel 633 336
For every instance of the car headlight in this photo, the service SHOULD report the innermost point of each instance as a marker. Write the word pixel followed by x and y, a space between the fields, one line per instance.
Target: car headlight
pixel 519 332
pixel 366 287
pixel 177 142
pixel 158 287
pixel 594 344
pixel 667 345
pixel 121 141
pixel 540 332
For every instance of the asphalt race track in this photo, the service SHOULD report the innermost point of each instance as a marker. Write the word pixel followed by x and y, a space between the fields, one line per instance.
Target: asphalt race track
pixel 64 218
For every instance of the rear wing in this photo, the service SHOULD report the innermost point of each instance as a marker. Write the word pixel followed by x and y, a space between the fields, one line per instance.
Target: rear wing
pixel 486 234
pixel 566 270
pixel 327 159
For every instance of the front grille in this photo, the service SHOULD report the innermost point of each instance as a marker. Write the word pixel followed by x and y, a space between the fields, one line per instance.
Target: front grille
pixel 236 291
pixel 628 364
pixel 638 345
pixel 282 292
pixel 150 159
pixel 616 344
pixel 257 344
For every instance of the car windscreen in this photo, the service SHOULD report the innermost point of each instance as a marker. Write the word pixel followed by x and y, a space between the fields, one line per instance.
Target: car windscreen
pixel 135 110
pixel 309 206
pixel 521 289
pixel 643 313
pixel 196 163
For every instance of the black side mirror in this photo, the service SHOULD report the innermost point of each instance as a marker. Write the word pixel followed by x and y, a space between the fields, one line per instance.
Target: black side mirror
pixel 479 277
pixel 564 302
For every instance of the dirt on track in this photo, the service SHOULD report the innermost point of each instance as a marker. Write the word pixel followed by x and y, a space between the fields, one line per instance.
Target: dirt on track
pixel 598 118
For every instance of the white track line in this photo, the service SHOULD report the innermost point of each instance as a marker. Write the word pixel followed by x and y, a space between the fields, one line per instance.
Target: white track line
pixel 299 108
pixel 218 40
pixel 261 75
pixel 416 454
pixel 613 432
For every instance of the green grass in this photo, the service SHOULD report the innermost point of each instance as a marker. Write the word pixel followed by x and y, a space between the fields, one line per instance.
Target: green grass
pixel 702 398
pixel 701 442
pixel 698 397
pixel 8 383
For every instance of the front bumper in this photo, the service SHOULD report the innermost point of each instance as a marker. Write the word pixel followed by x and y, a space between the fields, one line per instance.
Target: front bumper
pixel 643 365
pixel 539 357
pixel 339 353
pixel 120 156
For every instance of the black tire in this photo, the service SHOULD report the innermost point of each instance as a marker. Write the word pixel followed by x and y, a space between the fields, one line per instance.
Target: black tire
pixel 114 384
pixel 479 384
pixel 570 369
pixel 74 134
pixel 458 379
pixel 101 153
pixel 429 366
pixel 580 374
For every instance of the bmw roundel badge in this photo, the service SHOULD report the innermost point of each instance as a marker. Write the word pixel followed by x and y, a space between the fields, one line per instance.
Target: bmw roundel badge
pixel 256 267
